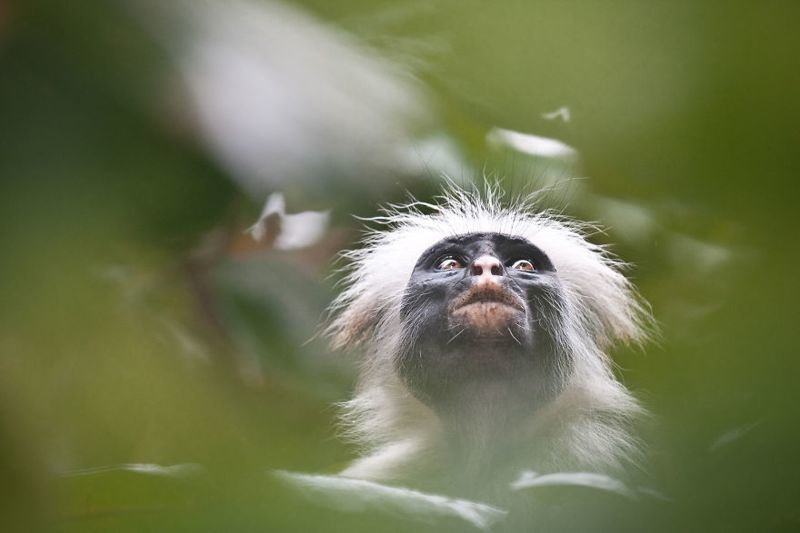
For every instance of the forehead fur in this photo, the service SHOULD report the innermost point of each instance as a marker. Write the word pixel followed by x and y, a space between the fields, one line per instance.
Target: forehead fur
pixel 603 301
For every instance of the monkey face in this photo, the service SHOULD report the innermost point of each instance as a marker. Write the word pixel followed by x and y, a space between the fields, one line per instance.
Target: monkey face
pixel 480 310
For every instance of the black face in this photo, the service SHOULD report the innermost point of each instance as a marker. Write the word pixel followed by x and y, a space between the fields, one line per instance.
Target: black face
pixel 480 312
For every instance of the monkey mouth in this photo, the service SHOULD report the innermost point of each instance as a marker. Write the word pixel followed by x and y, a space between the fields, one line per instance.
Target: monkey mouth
pixel 487 309
pixel 488 294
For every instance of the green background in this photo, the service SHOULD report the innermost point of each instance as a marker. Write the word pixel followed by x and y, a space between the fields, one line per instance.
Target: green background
pixel 128 315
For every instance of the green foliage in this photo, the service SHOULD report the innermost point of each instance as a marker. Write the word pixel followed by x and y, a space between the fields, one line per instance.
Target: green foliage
pixel 139 326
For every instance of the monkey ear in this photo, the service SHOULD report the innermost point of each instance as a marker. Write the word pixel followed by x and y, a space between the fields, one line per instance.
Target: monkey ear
pixel 613 310
pixel 374 285
pixel 352 323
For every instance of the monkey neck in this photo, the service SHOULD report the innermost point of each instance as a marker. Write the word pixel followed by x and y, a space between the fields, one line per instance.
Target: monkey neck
pixel 482 425
pixel 485 392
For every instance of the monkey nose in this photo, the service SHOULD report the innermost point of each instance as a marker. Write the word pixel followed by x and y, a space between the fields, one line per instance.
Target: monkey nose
pixel 487 265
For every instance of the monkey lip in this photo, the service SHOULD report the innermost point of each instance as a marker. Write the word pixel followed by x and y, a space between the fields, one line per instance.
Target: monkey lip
pixel 487 309
pixel 488 294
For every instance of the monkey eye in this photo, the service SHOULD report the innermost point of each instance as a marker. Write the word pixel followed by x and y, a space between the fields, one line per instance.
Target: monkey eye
pixel 449 263
pixel 524 265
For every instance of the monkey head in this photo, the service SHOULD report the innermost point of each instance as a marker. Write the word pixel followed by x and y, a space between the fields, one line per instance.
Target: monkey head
pixel 480 314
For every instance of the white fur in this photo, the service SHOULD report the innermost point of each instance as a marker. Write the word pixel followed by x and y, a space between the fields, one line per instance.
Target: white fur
pixel 586 426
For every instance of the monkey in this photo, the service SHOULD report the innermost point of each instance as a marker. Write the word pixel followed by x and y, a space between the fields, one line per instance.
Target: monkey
pixel 485 326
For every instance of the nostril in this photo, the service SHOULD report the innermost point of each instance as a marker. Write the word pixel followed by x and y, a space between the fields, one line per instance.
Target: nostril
pixel 487 264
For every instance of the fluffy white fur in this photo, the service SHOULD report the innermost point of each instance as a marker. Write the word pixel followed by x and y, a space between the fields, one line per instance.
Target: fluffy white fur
pixel 586 426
